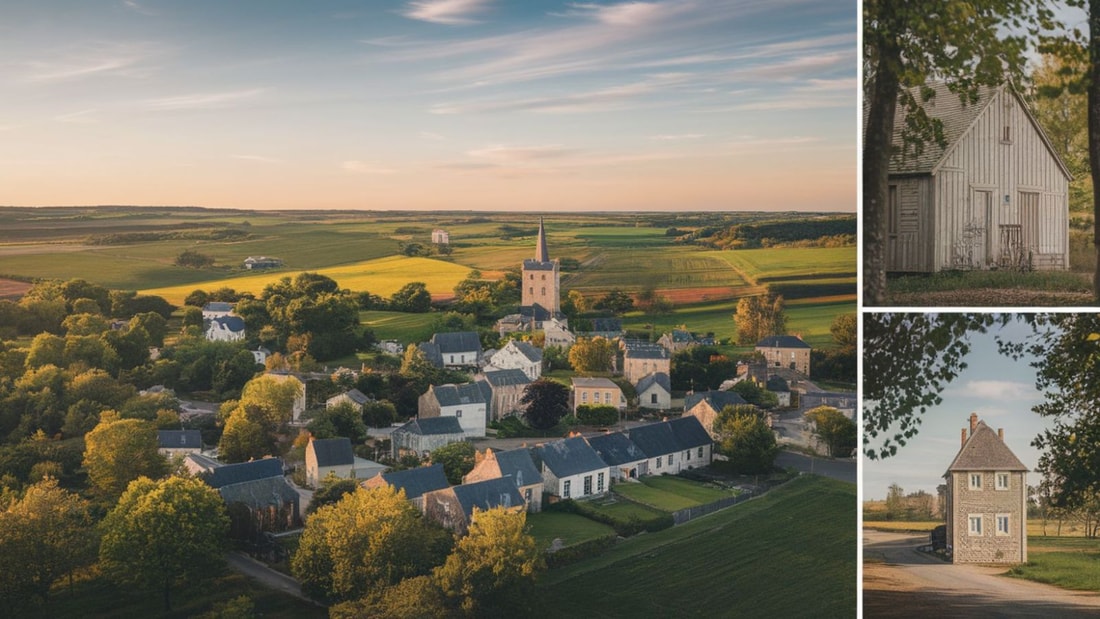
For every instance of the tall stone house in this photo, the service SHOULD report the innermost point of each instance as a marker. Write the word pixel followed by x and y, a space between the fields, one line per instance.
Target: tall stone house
pixel 986 503
pixel 786 351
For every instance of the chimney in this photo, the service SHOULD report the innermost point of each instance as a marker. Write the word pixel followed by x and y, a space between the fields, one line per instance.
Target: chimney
pixel 963 440
pixel 1001 434
pixel 973 423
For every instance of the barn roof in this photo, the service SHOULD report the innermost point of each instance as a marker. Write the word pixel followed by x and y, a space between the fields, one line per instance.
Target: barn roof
pixel 260 492
pixel 655 439
pixel 458 395
pixel 689 432
pixel 459 341
pixel 502 378
pixel 985 451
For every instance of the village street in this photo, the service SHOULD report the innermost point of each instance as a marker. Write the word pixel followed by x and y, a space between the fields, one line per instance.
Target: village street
pixel 898 581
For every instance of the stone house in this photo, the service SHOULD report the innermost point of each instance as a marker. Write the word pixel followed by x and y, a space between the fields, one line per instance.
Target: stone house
pixel 986 503
pixel 257 496
pixel 465 402
pixel 516 355
pixel 596 392
pixel 334 456
pixel 356 398
pixel 571 469
pixel 677 340
pixel 419 437
pixel 456 507
pixel 514 464
pixel 655 391
pixel 505 388
pixel 705 406
pixel 785 351
pixel 643 358
pixel 414 482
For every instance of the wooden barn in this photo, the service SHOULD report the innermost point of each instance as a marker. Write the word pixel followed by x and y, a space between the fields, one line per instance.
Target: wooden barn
pixel 996 196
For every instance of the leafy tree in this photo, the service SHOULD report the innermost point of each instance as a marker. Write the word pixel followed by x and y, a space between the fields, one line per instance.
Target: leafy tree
pixel 492 570
pixel 544 403
pixel 834 429
pixel 163 532
pixel 412 297
pixel 46 349
pixel 379 413
pixel 127 304
pixel 967 45
pixel 370 539
pixel 86 306
pixel 758 317
pixel 844 331
pixel 908 359
pixel 746 439
pixel 457 460
pixel 44 537
pixel 245 437
pixel 588 355
pixel 194 260
pixel 616 301
pixel 418 597
pixel 756 395
pixel 119 451
pixel 597 415
pixel 344 419
pixel 332 489
pixel 154 324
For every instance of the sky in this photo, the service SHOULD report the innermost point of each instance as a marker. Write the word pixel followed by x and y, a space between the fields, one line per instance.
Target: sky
pixel 1000 390
pixel 430 104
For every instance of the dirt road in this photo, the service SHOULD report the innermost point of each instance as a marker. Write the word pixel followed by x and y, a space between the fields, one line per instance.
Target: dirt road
pixel 900 582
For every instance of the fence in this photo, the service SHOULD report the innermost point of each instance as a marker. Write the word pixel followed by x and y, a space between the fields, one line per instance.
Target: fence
pixel 691 513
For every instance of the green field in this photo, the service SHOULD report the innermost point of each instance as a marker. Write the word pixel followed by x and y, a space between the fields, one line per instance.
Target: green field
pixel 795 263
pixel 406 328
pixel 571 529
pixel 669 493
pixel 789 553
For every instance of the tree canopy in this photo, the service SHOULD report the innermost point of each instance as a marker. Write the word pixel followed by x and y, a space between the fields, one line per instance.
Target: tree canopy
pixel 833 428
pixel 745 439
pixel 760 316
pixel 119 451
pixel 544 403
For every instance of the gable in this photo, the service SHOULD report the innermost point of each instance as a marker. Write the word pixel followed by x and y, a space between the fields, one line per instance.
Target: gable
pixel 985 451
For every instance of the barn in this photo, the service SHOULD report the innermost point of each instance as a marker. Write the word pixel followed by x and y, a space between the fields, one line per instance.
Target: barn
pixel 994 196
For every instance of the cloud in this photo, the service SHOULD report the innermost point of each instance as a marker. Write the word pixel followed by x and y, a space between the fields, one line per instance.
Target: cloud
pixel 207 100
pixel 366 168
pixel 83 117
pixel 429 135
pixel 257 158
pixel 612 97
pixel 449 12
pixel 626 13
pixel 996 390
pixel 92 59
pixel 513 154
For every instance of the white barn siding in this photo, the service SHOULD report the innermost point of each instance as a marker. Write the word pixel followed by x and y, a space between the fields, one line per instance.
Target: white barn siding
pixel 909 242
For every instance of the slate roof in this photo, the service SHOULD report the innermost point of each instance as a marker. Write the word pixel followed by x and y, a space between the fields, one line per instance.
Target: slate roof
pixel 533 353
pixel 458 395
pixel 431 353
pixel 217 306
pixel 607 325
pixel 517 464
pixel 646 352
pixel 245 472
pixel 616 448
pixel 503 378
pixel 585 381
pixel 358 397
pixel 689 432
pixel 430 426
pixel 656 378
pixel 488 494
pixel 333 451
pixel 232 323
pixel 777 384
pixel 538 313
pixel 655 439
pixel 179 439
pixel 461 341
pixel 782 341
pixel 571 456
pixel 985 451
pixel 680 336
pixel 415 482
pixel 536 265
pixel 717 399
pixel 260 492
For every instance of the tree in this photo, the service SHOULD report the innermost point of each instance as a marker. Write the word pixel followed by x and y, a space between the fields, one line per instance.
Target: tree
pixel 119 451
pixel 843 330
pixel 492 571
pixel 44 537
pixel 616 301
pixel 755 394
pixel 418 597
pixel 908 359
pixel 332 489
pixel 834 429
pixel 745 438
pixel 967 45
pixel 457 460
pixel 370 539
pixel 412 297
pixel 895 502
pixel 1062 111
pixel 244 437
pixel 588 355
pixel 344 419
pixel 379 413
pixel 162 532
pixel 194 260
pixel 544 403
pixel 758 317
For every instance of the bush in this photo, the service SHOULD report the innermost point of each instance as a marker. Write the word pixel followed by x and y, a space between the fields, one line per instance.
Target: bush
pixel 572 554
pixel 597 415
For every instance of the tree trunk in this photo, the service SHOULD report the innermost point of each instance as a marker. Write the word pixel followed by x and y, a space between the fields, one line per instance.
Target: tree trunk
pixel 877 147
pixel 1094 133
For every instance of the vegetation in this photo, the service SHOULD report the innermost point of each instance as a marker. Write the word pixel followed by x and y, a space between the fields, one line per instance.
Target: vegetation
pixel 457 460
pixel 544 403
pixel 760 317
pixel 745 439
pixel 833 428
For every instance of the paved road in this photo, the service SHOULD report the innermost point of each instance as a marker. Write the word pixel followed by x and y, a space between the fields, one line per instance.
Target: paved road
pixel 901 582
pixel 265 575
pixel 844 470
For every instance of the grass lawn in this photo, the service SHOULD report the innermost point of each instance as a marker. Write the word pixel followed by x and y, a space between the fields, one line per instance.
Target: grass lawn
pixel 904 527
pixel 570 528
pixel 624 511
pixel 669 493
pixel 789 553
pixel 963 280
pixel 1069 562
pixel 406 328
pixel 95 597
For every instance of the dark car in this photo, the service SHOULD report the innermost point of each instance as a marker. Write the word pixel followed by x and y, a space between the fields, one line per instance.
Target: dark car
pixel 939 538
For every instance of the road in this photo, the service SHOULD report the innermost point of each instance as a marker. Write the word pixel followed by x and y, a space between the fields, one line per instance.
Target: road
pixel 898 581
pixel 265 575
pixel 844 470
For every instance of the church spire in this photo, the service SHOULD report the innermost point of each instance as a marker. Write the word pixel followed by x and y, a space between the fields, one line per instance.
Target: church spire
pixel 541 253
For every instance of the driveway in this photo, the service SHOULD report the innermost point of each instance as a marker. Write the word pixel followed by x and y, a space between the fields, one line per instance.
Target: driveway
pixel 898 581
pixel 265 575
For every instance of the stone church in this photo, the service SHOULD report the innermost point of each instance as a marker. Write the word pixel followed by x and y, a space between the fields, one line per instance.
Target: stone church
pixel 540 297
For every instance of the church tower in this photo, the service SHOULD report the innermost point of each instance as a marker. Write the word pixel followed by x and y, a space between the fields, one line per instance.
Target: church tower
pixel 541 278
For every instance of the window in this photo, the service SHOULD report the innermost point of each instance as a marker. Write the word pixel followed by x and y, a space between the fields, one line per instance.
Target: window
pixel 543 290
pixel 452 358
pixel 670 459
pixel 458 413
pixel 975 481
pixel 532 289
pixel 700 452
pixel 544 277
pixel 975 524
pixel 599 482
pixel 892 214
pixel 587 485
pixel 687 455
pixel 527 495
pixel 1002 481
pixel 1002 524
pixel 653 398
pixel 565 488
pixel 658 461
pixel 584 396
pixel 607 397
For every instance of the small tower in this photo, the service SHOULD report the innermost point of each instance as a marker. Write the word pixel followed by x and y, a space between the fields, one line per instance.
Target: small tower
pixel 541 278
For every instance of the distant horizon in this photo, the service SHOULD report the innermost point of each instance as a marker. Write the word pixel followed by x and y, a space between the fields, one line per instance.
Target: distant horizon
pixel 412 210
pixel 431 105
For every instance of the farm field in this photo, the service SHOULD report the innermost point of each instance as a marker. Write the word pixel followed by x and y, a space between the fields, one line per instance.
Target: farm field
pixel 768 567
pixel 399 326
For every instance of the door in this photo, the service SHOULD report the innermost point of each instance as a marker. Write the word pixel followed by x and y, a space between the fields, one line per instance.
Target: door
pixel 1029 222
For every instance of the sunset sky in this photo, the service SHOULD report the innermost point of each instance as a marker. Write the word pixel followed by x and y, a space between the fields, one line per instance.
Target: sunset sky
pixel 432 104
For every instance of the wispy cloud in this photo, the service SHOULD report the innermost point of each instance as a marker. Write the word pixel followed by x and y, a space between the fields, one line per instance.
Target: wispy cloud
pixel 257 158
pixel 435 137
pixel 612 97
pixel 997 390
pixel 513 161
pixel 449 12
pixel 206 100
pixel 92 60
pixel 512 154
pixel 83 117
pixel 366 168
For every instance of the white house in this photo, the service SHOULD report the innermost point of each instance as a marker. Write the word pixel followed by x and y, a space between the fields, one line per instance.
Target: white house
pixel 571 469
pixel 465 402
pixel 655 391
pixel 453 350
pixel 517 355
pixel 225 329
